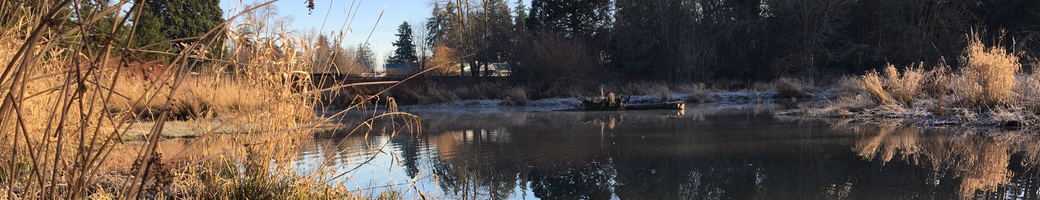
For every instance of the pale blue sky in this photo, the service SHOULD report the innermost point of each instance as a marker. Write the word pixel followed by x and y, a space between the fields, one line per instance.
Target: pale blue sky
pixel 396 12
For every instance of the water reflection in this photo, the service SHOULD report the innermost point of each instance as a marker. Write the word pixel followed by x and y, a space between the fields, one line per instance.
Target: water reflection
pixel 701 154
pixel 985 163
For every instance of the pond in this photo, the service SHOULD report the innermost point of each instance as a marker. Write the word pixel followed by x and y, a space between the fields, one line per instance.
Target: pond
pixel 701 153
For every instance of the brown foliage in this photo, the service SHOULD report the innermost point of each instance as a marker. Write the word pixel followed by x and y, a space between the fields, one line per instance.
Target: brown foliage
pixel 444 61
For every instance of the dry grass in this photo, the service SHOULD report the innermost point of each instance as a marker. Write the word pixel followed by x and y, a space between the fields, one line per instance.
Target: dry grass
pixel 793 88
pixel 664 93
pixel 1027 90
pixel 904 87
pixel 761 87
pixel 848 86
pixel 641 88
pixel 434 92
pixel 894 87
pixel 988 89
pixel 987 75
pixel 872 85
pixel 517 96
pixel 696 92
pixel 1008 117
pixel 843 106
pixel 937 81
pixel 61 124
pixel 202 97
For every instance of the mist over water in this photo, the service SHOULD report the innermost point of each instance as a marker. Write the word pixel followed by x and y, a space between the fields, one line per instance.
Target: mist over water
pixel 702 153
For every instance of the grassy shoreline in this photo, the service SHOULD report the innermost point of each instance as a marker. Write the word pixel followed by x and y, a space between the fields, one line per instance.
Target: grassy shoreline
pixel 990 89
pixel 69 104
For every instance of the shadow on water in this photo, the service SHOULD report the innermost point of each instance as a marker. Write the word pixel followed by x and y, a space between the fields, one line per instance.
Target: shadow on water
pixel 702 153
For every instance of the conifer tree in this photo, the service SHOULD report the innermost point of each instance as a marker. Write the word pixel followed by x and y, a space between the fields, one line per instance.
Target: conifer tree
pixel 405 52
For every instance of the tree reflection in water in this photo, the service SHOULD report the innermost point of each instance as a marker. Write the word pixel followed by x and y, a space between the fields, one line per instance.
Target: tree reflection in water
pixel 711 154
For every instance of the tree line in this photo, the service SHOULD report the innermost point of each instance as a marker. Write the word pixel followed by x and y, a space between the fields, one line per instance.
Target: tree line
pixel 162 28
pixel 563 41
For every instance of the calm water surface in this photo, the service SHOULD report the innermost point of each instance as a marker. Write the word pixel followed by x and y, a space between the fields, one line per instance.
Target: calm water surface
pixel 704 153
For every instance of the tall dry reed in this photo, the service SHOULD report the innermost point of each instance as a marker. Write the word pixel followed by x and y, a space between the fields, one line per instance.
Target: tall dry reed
pixel 1027 90
pixel 904 87
pixel 936 83
pixel 987 75
pixel 894 87
pixel 65 105
pixel 873 86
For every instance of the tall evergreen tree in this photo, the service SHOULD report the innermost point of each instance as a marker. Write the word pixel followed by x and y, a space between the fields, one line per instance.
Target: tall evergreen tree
pixel 405 52
pixel 439 23
pixel 149 30
pixel 175 19
pixel 570 18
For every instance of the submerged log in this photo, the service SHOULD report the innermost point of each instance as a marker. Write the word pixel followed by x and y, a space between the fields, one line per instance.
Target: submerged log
pixel 665 105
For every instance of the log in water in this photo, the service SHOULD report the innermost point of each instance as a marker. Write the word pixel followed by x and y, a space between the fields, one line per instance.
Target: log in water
pixel 650 106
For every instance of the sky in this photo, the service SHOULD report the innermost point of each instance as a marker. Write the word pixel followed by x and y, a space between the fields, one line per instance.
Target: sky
pixel 333 14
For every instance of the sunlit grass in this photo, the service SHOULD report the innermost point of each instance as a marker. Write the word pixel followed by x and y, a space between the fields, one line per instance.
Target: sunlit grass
pixel 987 75
pixel 63 127
pixel 988 88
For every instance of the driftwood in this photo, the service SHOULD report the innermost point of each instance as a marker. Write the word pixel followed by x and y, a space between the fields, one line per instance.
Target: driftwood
pixel 602 103
pixel 649 106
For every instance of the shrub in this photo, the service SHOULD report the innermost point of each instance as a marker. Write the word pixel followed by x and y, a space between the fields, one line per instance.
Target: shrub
pixel 987 75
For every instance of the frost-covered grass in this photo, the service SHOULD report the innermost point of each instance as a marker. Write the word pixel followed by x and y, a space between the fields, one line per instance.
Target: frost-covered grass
pixel 989 89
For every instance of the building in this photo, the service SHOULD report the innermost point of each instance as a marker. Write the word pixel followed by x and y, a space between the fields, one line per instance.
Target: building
pixel 401 69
